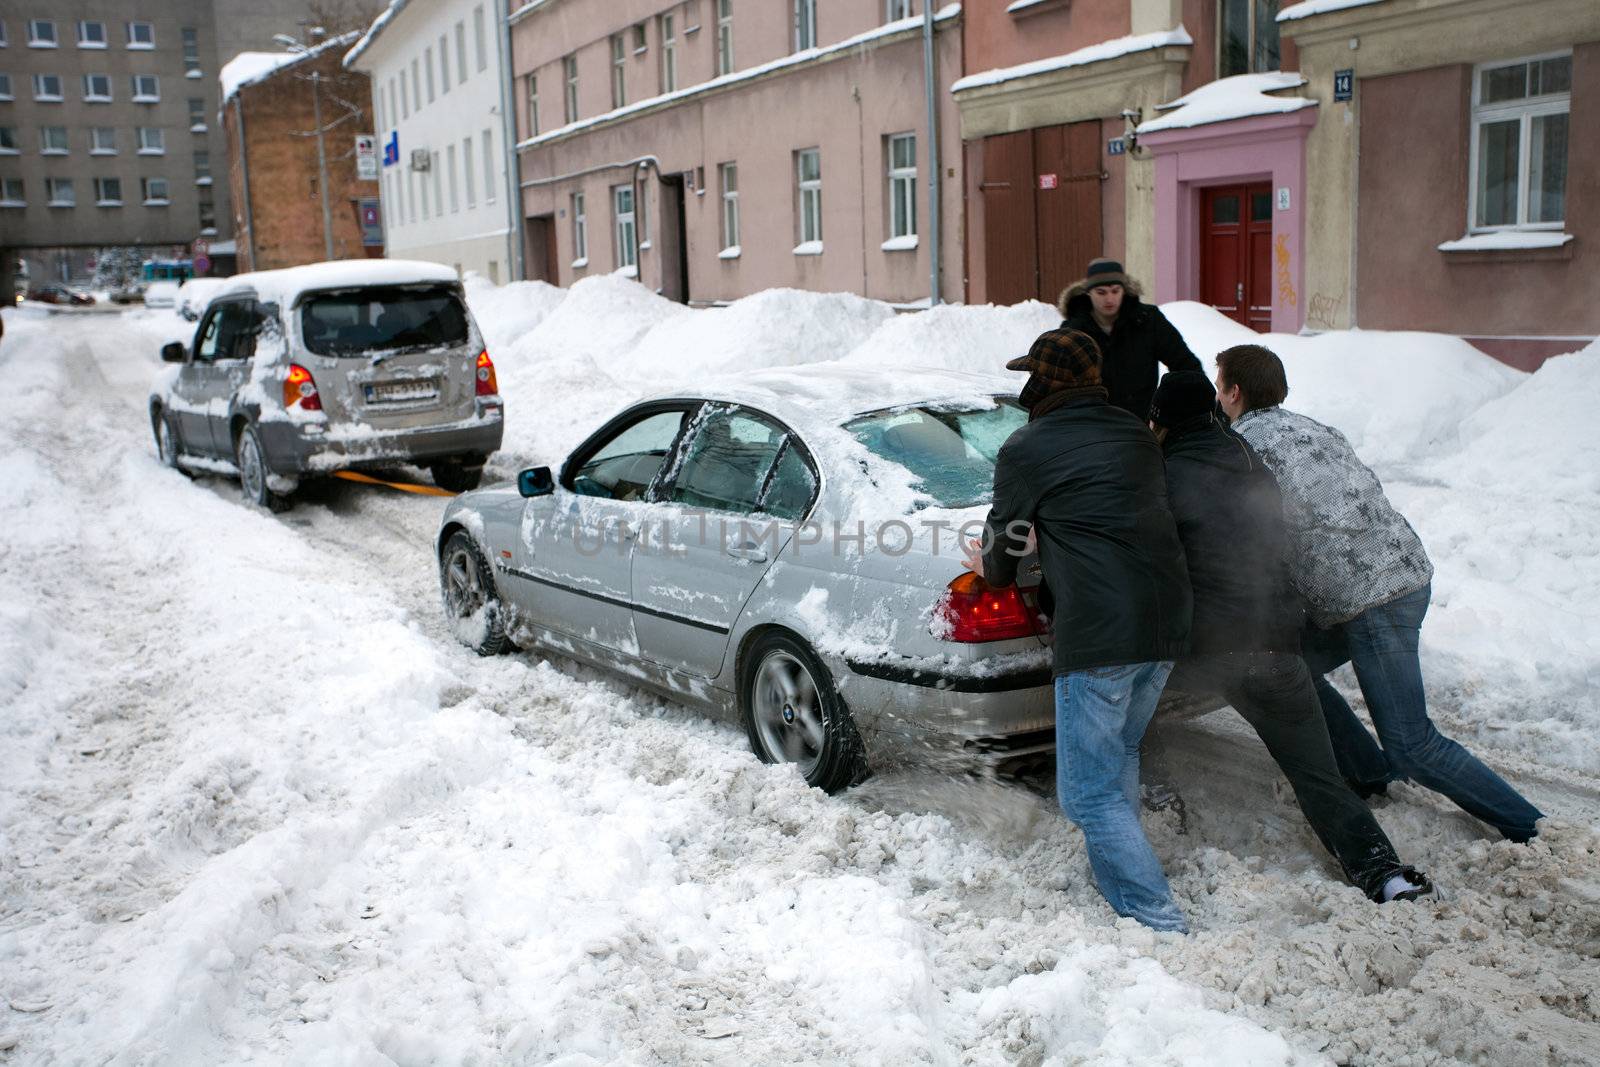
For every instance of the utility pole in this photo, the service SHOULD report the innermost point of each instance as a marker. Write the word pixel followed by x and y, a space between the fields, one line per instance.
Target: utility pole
pixel 931 92
pixel 322 166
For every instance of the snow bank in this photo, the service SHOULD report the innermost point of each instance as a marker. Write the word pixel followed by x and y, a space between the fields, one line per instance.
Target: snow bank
pixel 977 339
pixel 506 312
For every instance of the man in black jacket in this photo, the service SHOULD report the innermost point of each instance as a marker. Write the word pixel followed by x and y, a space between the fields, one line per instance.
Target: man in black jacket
pixel 1087 478
pixel 1245 642
pixel 1133 336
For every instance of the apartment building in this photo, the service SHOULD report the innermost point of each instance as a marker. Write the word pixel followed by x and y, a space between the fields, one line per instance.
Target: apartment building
pixel 439 90
pixel 713 148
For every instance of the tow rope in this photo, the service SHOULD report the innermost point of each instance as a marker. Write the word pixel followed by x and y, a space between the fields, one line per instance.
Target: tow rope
pixel 404 487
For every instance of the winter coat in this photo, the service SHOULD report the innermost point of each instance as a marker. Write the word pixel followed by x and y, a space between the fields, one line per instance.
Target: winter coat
pixel 1230 520
pixel 1088 476
pixel 1351 549
pixel 1140 339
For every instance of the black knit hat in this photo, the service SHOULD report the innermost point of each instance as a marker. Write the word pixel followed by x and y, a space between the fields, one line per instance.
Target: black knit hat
pixel 1104 272
pixel 1182 395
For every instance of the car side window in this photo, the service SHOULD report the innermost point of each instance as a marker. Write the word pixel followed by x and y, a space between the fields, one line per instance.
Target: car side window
pixel 205 349
pixel 726 465
pixel 791 487
pixel 624 466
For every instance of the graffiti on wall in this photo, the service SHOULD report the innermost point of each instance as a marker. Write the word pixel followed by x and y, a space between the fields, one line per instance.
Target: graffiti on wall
pixel 1322 310
pixel 1280 252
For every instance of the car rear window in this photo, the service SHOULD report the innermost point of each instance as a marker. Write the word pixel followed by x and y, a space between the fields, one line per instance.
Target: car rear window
pixel 949 452
pixel 382 319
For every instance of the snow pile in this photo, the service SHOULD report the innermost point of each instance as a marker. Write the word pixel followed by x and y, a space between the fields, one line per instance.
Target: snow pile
pixel 505 313
pixel 978 339
pixel 1240 96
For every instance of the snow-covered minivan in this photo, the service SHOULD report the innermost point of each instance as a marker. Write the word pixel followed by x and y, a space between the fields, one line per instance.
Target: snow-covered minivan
pixel 358 363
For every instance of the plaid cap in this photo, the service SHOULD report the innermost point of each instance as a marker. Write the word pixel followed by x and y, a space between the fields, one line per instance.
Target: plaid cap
pixel 1061 358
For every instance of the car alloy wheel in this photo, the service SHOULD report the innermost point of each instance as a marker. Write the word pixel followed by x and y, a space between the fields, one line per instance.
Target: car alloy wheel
pixel 793 714
pixel 253 472
pixel 166 446
pixel 788 712
pixel 471 602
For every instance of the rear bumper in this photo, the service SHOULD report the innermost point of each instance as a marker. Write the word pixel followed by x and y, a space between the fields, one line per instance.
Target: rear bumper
pixel 298 448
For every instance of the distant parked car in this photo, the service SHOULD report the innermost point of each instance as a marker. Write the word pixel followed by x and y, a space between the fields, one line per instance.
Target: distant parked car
pixel 161 295
pixel 752 549
pixel 128 293
pixel 54 293
pixel 299 372
pixel 196 293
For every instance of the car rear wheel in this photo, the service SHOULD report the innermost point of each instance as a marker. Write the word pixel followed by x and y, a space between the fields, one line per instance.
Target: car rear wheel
pixel 471 603
pixel 793 714
pixel 457 476
pixel 253 472
pixel 167 442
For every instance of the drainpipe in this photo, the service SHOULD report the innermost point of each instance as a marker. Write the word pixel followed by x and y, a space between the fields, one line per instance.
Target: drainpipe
pixel 931 91
pixel 508 145
pixel 244 175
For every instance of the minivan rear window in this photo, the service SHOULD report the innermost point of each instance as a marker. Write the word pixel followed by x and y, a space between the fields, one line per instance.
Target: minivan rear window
pixel 382 319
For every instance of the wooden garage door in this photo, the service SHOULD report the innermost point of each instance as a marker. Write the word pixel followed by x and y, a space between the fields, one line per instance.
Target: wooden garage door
pixel 1041 210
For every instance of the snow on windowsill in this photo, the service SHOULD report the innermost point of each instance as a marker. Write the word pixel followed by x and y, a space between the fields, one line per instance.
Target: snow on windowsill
pixel 147 100
pixel 631 271
pixel 907 243
pixel 97 100
pixel 13 203
pixel 52 151
pixel 1241 96
pixel 43 44
pixel 1506 240
pixel 194 73
pixel 1317 7
pixel 579 264
pixel 204 179
pixel 157 203
pixel 808 248
pixel 152 151
pixel 1022 7
pixel 62 203
pixel 102 151
pixel 198 127
pixel 1121 46
pixel 10 151
pixel 731 252
pixel 140 46
pixel 108 203
pixel 644 246
pixel 92 44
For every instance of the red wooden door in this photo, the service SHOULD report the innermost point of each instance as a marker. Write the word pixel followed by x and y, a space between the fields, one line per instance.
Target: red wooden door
pixel 1236 252
pixel 1041 205
pixel 1011 262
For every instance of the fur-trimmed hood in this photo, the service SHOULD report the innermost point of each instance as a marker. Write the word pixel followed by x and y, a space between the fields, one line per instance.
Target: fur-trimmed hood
pixel 1075 297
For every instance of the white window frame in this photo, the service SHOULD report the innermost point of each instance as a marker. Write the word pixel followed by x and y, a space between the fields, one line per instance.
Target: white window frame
pixel 49 146
pixel 10 186
pixel 1525 110
pixel 202 167
pixel 149 145
pixel 100 197
pixel 92 97
pixel 450 162
pixel 146 98
pixel 488 167
pixel 148 193
pixel 808 197
pixel 724 37
pixel 4 40
pixel 9 134
pixel 580 232
pixel 895 10
pixel 902 186
pixel 479 48
pixel 83 37
pixel 805 24
pixel 52 192
pixel 96 148
pixel 190 38
pixel 533 105
pixel 641 39
pixel 197 115
pixel 461 51
pixel 45 97
pixel 728 186
pixel 668 24
pixel 438 185
pixel 569 74
pixel 427 63
pixel 619 71
pixel 444 63
pixel 411 196
pixel 470 175
pixel 134 40
pixel 416 84
pixel 6 93
pixel 625 227
pixel 405 97
pixel 37 40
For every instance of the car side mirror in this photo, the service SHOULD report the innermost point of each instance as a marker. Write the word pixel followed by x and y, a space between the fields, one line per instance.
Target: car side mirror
pixel 173 352
pixel 536 481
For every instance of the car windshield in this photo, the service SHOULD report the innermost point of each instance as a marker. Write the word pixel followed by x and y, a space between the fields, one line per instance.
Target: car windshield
pixel 950 452
pixel 383 319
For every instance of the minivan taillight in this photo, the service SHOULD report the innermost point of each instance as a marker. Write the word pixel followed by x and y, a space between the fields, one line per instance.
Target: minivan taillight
pixel 487 383
pixel 300 388
pixel 973 611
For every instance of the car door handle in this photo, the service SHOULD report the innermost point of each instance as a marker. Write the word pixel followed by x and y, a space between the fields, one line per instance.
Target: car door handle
pixel 749 550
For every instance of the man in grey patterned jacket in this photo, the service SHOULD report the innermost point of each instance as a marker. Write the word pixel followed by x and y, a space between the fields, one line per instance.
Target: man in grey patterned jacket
pixel 1366 581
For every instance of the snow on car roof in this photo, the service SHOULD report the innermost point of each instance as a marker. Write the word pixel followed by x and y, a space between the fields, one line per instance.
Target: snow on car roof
pixel 287 285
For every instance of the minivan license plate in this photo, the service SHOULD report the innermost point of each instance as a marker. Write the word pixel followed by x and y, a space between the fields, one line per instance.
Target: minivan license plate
pixel 393 392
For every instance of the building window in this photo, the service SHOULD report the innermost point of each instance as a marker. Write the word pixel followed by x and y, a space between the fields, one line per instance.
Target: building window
pixel 461 51
pixel 411 196
pixel 8 141
pixel 416 85
pixel 91 34
pixel 669 53
pixel 438 185
pixel 141 35
pixel 208 215
pixel 903 185
pixel 155 191
pixel 3 40
pixel 108 192
pixel 47 87
pixel 471 175
pixel 895 10
pixel 58 192
pixel 97 88
pixel 627 236
pixel 808 186
pixel 103 141
pixel 405 97
pixel 444 63
pixel 1521 114
pixel 729 174
pixel 488 167
pixel 202 168
pixel 569 67
pixel 805 24
pixel 619 71
pixel 479 48
pixel 427 62
pixel 146 89
pixel 1247 37
pixel 42 34
pixel 393 111
pixel 5 87
pixel 191 48
pixel 724 36
pixel 11 193
pixel 533 105
pixel 580 232
pixel 197 115
pixel 450 162
pixel 52 140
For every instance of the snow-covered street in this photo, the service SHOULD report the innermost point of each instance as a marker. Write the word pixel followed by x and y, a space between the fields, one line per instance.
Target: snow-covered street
pixel 257 804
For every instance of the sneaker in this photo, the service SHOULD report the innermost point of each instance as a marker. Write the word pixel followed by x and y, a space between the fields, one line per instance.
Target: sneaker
pixel 1406 884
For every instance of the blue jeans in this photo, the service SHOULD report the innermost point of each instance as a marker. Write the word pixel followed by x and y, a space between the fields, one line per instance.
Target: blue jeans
pixel 1381 644
pixel 1101 715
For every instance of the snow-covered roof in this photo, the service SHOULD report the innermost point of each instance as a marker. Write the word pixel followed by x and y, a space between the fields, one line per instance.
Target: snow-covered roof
pixel 1316 7
pixel 1240 96
pixel 288 284
pixel 379 24
pixel 807 55
pixel 247 68
pixel 1095 53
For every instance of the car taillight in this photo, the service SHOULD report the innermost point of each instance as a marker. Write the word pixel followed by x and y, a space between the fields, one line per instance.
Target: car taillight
pixel 300 388
pixel 973 611
pixel 488 385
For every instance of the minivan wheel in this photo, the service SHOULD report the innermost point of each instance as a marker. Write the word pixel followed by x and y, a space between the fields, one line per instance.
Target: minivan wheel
pixel 456 476
pixel 471 603
pixel 167 442
pixel 793 714
pixel 253 472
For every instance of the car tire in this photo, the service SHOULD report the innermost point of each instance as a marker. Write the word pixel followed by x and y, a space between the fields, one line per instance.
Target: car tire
pixel 167 442
pixel 472 606
pixel 253 473
pixel 456 476
pixel 793 714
